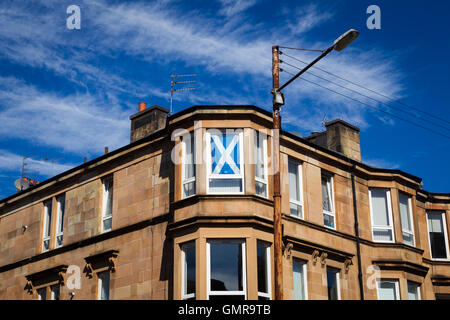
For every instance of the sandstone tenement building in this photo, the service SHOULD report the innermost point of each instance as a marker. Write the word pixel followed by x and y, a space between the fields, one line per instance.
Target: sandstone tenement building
pixel 185 211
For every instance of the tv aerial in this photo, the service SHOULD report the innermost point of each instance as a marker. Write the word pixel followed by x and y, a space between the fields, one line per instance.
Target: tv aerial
pixel 173 83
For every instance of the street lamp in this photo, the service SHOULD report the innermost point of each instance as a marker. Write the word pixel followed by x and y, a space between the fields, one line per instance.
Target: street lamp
pixel 278 100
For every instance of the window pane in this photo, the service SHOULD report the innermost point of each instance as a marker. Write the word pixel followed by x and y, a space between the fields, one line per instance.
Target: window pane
pixel 189 167
pixel 259 155
pixel 47 218
pixel 404 211
pixel 55 292
pixel 226 266
pixel 332 282
pixel 189 268
pixel 293 181
pixel 59 241
pixel 382 235
pixel 326 197
pixel 328 220
pixel 262 267
pixel 261 188
pixel 221 144
pixel 387 290
pixel 108 195
pixel 61 210
pixel 42 293
pixel 296 210
pixel 107 224
pixel 189 189
pixel 299 280
pixel 408 238
pixel 413 291
pixel 46 245
pixel 225 185
pixel 103 279
pixel 380 207
pixel 437 236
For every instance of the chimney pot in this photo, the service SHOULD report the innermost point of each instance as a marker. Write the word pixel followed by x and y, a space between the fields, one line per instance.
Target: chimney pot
pixel 142 106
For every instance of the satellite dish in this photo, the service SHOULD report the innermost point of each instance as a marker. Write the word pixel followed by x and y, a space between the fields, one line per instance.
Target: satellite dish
pixel 21 184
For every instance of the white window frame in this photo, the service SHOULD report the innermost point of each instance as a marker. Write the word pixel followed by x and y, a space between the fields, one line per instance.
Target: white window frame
pixel 47 227
pixel 183 170
pixel 410 215
pixel 184 295
pixel 330 188
pixel 444 223
pixel 338 280
pixel 104 202
pixel 418 285
pixel 267 294
pixel 264 181
pixel 53 293
pixel 209 174
pixel 59 219
pixel 390 216
pixel 100 284
pixel 300 185
pixel 305 277
pixel 208 269
pixel 40 296
pixel 397 289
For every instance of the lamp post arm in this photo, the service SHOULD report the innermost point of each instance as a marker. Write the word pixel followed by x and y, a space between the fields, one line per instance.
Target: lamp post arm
pixel 324 53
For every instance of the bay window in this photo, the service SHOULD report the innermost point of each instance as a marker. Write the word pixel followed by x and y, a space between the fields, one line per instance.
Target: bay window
pixel 188 271
pixel 406 218
pixel 188 167
pixel 263 265
pixel 381 212
pixel 225 161
pixel 261 164
pixel 437 235
pixel 226 270
pixel 295 188
pixel 327 201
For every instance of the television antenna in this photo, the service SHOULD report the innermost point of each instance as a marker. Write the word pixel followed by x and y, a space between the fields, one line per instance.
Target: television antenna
pixel 173 83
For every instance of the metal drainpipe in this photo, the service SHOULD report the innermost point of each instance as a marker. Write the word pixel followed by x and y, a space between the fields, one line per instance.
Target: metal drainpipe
pixel 358 250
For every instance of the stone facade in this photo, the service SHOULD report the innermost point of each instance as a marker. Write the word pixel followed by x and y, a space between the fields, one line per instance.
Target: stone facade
pixel 151 220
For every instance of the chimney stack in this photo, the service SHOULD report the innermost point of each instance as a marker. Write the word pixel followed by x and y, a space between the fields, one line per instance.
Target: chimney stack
pixel 340 136
pixel 147 121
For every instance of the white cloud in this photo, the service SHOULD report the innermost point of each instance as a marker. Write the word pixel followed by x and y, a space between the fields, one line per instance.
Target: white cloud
pixel 308 17
pixel 13 163
pixel 381 163
pixel 233 7
pixel 80 123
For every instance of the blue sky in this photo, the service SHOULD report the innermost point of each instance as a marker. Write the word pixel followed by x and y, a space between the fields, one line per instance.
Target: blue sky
pixel 66 94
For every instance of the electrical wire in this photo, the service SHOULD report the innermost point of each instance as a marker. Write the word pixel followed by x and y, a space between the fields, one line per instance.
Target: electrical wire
pixel 370 106
pixel 366 96
pixel 368 89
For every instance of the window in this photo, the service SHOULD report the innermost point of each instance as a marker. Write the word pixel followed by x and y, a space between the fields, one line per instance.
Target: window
pixel 60 220
pixel 42 293
pixel 188 271
pixel 295 188
pixel 300 288
pixel 380 208
pixel 225 161
pixel 388 289
pixel 437 232
pixel 263 263
pixel 107 203
pixel 47 225
pixel 327 201
pixel 103 285
pixel 55 292
pixel 226 276
pixel 261 164
pixel 406 217
pixel 333 284
pixel 188 168
pixel 413 291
